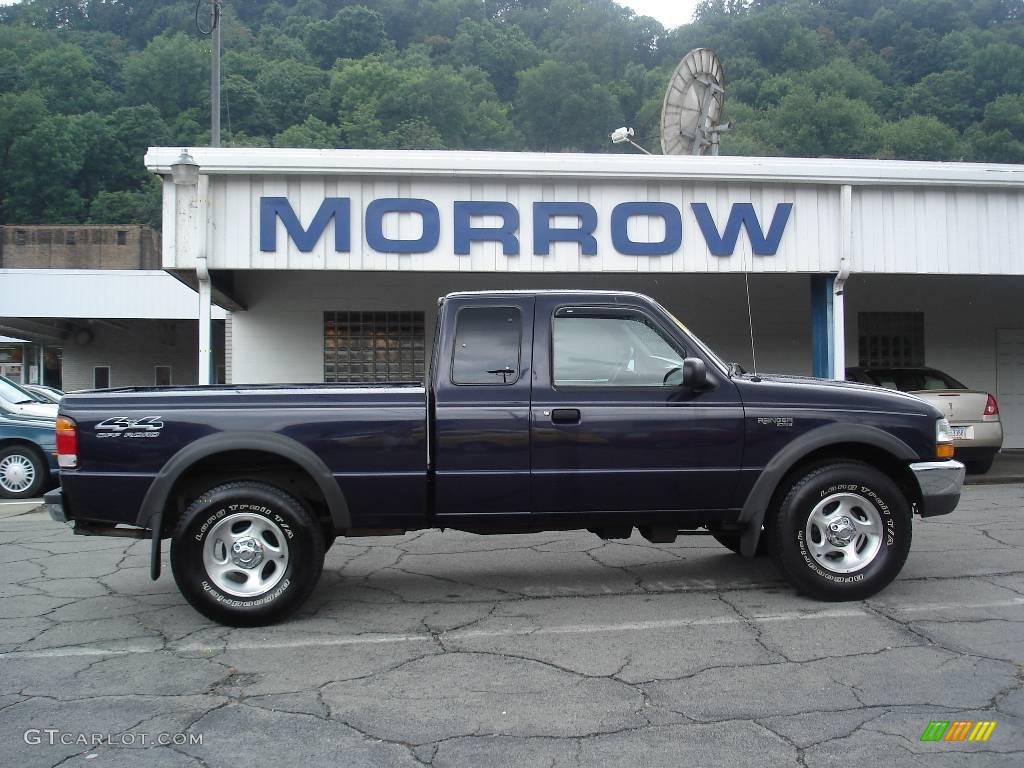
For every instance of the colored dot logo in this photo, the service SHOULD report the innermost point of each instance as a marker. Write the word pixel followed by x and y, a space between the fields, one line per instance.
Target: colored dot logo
pixel 958 730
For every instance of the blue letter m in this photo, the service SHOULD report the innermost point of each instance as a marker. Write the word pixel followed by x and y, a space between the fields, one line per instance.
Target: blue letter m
pixel 742 214
pixel 272 208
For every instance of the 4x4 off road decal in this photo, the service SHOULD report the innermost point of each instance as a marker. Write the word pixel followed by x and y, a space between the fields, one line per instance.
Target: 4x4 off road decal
pixel 126 427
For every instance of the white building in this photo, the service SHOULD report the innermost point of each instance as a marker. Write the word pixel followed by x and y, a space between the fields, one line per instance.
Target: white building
pixel 334 259
pixel 99 328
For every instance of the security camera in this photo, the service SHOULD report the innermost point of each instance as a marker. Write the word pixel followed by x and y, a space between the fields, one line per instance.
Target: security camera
pixel 622 135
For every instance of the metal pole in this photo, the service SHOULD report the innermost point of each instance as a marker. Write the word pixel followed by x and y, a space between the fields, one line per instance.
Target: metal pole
pixel 215 78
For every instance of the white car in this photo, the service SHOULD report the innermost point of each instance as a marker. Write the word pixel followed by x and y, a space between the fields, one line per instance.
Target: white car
pixel 972 413
pixel 20 402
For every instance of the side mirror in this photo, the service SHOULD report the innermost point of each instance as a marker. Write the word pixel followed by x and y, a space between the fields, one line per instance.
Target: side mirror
pixel 695 373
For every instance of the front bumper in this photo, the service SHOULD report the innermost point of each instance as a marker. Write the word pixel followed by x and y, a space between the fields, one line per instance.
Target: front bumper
pixel 941 483
pixel 54 502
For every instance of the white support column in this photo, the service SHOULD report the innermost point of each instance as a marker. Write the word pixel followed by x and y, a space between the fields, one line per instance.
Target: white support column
pixel 839 286
pixel 205 367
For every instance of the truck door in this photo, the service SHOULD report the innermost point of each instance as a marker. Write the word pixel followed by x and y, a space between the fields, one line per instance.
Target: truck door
pixel 482 406
pixel 612 428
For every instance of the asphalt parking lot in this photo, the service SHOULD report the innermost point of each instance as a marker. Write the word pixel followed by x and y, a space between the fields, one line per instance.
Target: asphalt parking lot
pixel 550 650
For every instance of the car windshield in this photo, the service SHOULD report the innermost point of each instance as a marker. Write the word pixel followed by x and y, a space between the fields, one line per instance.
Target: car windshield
pixel 912 379
pixel 12 393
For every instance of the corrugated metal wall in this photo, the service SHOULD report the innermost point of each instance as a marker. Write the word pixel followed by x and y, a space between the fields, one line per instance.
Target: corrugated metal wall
pixel 896 229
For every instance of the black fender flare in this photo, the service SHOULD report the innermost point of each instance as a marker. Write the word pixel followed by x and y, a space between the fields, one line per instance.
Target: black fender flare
pixel 756 506
pixel 267 442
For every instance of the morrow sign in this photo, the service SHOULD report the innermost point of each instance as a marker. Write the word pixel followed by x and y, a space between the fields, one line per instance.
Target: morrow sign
pixel 468 228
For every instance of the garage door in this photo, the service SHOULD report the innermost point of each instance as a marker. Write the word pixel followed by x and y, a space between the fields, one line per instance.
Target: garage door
pixel 1010 350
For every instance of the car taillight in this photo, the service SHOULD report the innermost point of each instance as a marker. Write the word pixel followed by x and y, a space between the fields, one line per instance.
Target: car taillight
pixel 991 407
pixel 67 443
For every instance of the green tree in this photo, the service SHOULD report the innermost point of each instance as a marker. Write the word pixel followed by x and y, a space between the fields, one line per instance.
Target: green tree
pixel 136 206
pixel 922 137
pixel 63 76
pixel 999 137
pixel 501 50
pixel 563 106
pixel 354 32
pixel 832 126
pixel 312 132
pixel 285 88
pixel 944 96
pixel 172 74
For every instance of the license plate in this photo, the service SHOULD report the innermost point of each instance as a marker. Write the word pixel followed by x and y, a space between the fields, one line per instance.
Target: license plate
pixel 962 433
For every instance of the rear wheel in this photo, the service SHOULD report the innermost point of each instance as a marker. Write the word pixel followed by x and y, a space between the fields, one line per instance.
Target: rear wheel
pixel 842 532
pixel 247 554
pixel 22 472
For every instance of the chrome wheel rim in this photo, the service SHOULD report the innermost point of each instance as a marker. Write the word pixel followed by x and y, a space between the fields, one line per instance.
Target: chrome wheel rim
pixel 17 473
pixel 245 555
pixel 844 532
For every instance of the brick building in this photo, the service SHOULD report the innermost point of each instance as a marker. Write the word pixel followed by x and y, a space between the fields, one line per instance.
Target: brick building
pixel 79 247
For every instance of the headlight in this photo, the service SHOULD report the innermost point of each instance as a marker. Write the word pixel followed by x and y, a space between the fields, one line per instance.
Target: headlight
pixel 943 439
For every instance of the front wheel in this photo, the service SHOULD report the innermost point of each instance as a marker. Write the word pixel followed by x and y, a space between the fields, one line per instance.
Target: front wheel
pixel 22 472
pixel 247 554
pixel 842 532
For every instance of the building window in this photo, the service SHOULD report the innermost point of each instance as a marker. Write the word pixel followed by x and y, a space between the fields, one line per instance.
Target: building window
pixel 101 377
pixel 369 347
pixel 890 339
pixel 69 237
pixel 122 237
pixel 162 375
pixel 20 237
pixel 221 375
pixel 487 341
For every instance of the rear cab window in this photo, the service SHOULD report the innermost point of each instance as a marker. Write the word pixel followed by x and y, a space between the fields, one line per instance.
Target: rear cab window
pixel 488 345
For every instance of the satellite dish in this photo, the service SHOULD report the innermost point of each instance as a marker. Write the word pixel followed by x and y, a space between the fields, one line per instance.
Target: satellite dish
pixel 693 105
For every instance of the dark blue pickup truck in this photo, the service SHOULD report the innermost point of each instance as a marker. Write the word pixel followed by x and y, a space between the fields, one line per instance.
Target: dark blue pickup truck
pixel 543 410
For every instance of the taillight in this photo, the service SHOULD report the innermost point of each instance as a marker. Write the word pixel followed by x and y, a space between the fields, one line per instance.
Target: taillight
pixel 67 443
pixel 991 407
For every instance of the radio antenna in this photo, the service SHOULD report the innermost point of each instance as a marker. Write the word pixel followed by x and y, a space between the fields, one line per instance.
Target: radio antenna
pixel 750 321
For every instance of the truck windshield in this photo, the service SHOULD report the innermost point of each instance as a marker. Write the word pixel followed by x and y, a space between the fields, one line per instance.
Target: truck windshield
pixel 723 367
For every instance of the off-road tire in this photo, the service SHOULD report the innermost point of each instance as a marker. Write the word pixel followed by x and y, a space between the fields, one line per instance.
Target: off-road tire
pixel 261 506
pixel 799 561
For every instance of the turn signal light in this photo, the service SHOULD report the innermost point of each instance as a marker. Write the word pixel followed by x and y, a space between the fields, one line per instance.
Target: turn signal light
pixel 67 443
pixel 991 407
pixel 943 439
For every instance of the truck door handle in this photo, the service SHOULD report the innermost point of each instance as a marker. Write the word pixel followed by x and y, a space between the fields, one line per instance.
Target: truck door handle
pixel 565 416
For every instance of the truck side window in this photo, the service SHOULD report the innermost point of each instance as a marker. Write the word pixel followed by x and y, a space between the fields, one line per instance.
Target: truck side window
pixel 487 344
pixel 623 350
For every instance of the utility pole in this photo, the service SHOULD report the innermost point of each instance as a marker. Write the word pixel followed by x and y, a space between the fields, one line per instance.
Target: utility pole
pixel 215 77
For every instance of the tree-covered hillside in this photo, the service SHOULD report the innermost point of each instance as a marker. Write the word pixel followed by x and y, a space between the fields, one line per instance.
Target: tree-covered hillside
pixel 86 86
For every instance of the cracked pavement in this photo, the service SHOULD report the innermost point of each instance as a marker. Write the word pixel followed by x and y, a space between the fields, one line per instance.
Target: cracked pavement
pixel 554 649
